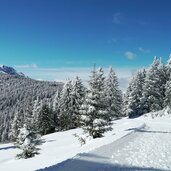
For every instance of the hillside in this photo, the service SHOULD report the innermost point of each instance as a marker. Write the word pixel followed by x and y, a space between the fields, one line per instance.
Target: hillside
pixel 17 94
pixel 142 143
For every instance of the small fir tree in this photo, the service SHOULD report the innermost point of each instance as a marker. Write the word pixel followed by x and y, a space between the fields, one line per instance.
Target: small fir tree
pixel 27 141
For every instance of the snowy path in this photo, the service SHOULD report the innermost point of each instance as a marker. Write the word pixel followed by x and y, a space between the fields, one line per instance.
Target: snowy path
pixel 144 149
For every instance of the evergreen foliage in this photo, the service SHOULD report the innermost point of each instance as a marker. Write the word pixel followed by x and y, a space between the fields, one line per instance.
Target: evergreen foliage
pixel 153 98
pixel 45 121
pixel 18 94
pixel 94 111
pixel 49 106
pixel 65 108
pixel 17 124
pixel 77 98
pixel 55 108
pixel 27 141
pixel 133 100
pixel 113 96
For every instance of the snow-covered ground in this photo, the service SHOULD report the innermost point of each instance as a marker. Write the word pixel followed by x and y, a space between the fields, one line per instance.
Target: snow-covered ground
pixel 134 144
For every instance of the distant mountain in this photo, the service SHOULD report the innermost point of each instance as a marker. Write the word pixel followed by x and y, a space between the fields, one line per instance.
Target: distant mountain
pixel 10 71
pixel 18 95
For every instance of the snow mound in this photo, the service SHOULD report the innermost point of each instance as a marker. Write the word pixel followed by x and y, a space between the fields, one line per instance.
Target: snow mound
pixel 158 114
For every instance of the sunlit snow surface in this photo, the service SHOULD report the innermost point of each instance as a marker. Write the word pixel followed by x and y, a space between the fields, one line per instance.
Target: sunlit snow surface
pixel 134 144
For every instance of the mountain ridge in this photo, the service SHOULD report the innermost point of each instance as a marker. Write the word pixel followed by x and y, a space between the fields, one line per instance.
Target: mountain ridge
pixel 10 71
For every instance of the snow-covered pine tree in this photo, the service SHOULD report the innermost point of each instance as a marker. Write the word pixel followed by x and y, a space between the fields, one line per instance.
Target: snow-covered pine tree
pixel 77 98
pixel 55 108
pixel 152 94
pixel 133 103
pixel 27 141
pixel 16 125
pixel 113 96
pixel 168 68
pixel 126 99
pixel 28 115
pixel 94 109
pixel 55 105
pixel 45 120
pixel 37 106
pixel 167 101
pixel 163 78
pixel 66 108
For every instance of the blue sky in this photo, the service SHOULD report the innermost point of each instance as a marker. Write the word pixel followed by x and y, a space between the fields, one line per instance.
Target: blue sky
pixel 78 33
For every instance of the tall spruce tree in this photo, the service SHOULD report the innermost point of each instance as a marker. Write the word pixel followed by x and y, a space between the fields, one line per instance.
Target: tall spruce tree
pixel 167 102
pixel 168 95
pixel 134 106
pixel 55 108
pixel 37 106
pixel 17 124
pixel 55 105
pixel 152 94
pixel 113 96
pixel 66 108
pixel 168 68
pixel 45 122
pixel 94 110
pixel 163 78
pixel 77 98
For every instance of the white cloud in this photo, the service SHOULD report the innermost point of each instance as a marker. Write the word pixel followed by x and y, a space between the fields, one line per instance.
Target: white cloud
pixel 143 50
pixel 130 55
pixel 117 17
pixel 27 66
pixel 63 74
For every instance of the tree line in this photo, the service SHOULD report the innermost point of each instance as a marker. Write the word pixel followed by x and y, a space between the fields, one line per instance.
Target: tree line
pixel 60 107
pixel 92 108
pixel 149 90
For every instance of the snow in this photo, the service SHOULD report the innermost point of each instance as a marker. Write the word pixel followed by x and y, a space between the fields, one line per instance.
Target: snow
pixel 9 70
pixel 141 143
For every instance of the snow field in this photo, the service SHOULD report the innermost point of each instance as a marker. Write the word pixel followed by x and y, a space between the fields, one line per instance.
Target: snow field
pixel 142 142
pixel 61 146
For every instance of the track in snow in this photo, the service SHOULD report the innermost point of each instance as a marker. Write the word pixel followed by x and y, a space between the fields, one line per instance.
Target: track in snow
pixel 145 149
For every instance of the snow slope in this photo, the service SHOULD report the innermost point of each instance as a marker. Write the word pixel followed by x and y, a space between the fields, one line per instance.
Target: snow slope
pixel 146 149
pixel 134 144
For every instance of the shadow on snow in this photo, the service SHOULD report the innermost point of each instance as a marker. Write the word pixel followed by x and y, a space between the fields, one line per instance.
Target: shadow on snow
pixel 7 148
pixel 147 131
pixel 89 162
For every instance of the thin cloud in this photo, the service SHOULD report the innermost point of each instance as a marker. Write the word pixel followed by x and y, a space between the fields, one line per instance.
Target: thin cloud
pixel 144 50
pixel 117 17
pixel 63 74
pixel 27 66
pixel 130 55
